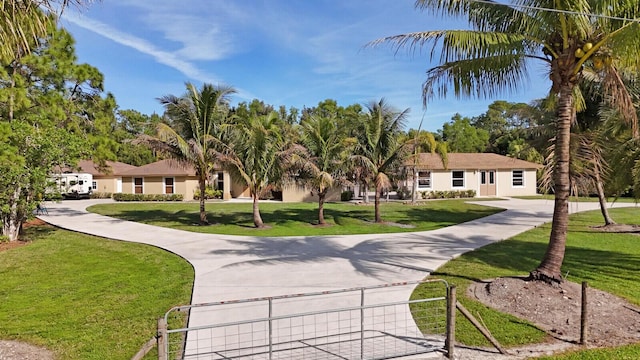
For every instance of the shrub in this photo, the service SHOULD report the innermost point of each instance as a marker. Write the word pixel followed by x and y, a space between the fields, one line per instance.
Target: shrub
pixel 147 197
pixel 101 195
pixel 451 194
pixel 209 193
pixel 346 195
pixel 403 193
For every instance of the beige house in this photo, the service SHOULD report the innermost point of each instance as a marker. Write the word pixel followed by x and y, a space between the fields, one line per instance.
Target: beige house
pixel 485 173
pixel 301 193
pixel 108 179
pixel 168 177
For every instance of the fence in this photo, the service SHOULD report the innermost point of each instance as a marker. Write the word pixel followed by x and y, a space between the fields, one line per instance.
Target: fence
pixel 360 323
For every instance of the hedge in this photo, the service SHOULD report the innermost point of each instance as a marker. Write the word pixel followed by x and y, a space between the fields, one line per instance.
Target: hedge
pixel 147 197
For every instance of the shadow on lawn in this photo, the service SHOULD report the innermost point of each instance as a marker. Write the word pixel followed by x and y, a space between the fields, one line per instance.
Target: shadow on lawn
pixel 521 257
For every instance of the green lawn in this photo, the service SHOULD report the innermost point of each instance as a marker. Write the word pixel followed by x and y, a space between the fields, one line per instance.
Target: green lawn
pixel 609 262
pixel 85 297
pixel 288 219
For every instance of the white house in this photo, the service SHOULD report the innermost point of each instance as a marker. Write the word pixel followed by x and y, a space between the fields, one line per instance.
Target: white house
pixel 486 173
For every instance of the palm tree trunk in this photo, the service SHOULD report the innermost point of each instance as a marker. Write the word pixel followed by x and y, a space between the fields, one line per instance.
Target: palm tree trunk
pixel 549 269
pixel 414 187
pixel 203 213
pixel 377 205
pixel 257 219
pixel 602 200
pixel 365 194
pixel 321 197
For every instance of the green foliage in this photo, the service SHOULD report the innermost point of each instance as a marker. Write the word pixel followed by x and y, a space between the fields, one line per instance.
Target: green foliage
pixel 451 194
pixel 463 137
pixel 147 197
pixel 101 195
pixel 346 195
pixel 51 114
pixel 88 298
pixel 209 193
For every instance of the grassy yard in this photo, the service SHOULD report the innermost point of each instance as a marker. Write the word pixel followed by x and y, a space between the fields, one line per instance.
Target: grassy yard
pixel 299 218
pixel 608 261
pixel 85 297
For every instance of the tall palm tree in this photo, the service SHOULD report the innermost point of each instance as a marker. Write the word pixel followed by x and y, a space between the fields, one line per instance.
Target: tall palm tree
pixel 496 52
pixel 197 119
pixel 380 148
pixel 255 154
pixel 328 148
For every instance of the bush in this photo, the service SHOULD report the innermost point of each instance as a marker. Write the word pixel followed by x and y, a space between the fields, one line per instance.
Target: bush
pixel 346 195
pixel 452 194
pixel 403 193
pixel 147 197
pixel 209 193
pixel 101 195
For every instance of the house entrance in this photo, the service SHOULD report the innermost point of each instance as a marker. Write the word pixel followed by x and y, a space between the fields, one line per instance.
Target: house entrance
pixel 487 182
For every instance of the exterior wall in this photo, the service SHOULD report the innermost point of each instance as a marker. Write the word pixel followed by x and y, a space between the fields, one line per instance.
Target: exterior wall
pixel 239 190
pixel 186 186
pixel 106 184
pixel 441 181
pixel 127 185
pixel 300 193
pixel 153 185
pixel 506 188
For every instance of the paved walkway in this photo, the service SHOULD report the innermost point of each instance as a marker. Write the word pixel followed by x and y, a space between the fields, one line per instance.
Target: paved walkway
pixel 239 267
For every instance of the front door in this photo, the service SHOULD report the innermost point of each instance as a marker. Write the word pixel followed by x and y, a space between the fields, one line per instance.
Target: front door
pixel 487 182
pixel 119 185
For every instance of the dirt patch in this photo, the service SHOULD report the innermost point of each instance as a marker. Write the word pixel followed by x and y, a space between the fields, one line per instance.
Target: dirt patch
pixel 612 321
pixel 618 228
pixel 16 350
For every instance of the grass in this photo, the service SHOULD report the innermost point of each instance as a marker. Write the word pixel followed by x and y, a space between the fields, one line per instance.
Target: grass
pixel 85 297
pixel 299 219
pixel 608 261
pixel 610 200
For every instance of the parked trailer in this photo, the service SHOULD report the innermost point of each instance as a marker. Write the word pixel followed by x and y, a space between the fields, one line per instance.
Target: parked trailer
pixel 73 185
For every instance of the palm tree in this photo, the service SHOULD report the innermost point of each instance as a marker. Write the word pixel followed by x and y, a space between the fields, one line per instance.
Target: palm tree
pixel 255 154
pixel 197 119
pixel 328 147
pixel 495 54
pixel 24 22
pixel 380 148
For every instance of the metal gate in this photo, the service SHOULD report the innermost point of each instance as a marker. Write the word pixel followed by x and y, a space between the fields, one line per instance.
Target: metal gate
pixel 374 322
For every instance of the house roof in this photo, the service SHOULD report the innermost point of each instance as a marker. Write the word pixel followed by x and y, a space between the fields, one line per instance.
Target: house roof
pixel 479 161
pixel 113 168
pixel 161 168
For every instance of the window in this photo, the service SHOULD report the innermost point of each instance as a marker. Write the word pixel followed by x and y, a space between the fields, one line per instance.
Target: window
pixel 137 185
pixel 168 185
pixel 457 179
pixel 424 179
pixel 517 178
pixel 94 185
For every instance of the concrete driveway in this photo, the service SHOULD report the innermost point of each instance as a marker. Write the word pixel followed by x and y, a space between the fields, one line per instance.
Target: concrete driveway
pixel 238 267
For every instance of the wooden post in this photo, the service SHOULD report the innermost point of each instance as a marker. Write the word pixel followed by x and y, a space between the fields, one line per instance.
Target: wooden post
pixel 584 313
pixel 162 339
pixel 451 321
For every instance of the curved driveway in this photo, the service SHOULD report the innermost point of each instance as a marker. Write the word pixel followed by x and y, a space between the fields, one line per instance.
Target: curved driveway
pixel 238 267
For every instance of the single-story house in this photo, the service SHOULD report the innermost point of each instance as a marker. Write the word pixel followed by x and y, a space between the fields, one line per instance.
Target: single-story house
pixel 169 177
pixel 108 179
pixel 486 173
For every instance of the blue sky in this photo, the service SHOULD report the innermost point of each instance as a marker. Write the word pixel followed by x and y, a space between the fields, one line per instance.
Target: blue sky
pixel 284 52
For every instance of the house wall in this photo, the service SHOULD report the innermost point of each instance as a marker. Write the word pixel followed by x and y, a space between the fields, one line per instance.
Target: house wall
pixel 185 185
pixel 300 193
pixel 127 185
pixel 441 181
pixel 506 188
pixel 105 184
pixel 239 190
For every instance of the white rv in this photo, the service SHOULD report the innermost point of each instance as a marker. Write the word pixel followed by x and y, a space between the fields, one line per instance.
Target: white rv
pixel 73 185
